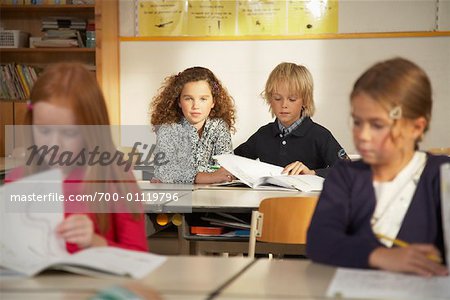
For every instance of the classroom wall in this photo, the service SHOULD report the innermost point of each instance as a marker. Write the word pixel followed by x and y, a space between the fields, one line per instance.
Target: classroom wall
pixel 243 67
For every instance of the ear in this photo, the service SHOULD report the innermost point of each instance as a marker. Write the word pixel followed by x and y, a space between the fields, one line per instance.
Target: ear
pixel 418 127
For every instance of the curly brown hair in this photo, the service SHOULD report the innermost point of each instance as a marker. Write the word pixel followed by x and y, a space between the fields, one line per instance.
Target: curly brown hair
pixel 164 107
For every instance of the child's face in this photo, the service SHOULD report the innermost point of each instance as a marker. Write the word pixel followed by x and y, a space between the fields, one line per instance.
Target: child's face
pixel 56 125
pixel 373 133
pixel 196 102
pixel 286 106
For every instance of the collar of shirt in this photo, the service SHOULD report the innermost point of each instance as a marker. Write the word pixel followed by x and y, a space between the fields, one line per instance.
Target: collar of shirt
pixel 286 131
pixel 185 124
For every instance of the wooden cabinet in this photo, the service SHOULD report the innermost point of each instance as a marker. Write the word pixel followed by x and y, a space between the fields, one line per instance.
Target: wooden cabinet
pixel 11 113
pixel 28 18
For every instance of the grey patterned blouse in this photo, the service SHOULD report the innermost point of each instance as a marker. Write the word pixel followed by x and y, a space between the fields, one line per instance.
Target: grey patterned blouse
pixel 188 154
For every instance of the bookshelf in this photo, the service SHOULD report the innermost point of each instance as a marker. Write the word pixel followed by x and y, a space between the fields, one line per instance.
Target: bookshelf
pixel 28 18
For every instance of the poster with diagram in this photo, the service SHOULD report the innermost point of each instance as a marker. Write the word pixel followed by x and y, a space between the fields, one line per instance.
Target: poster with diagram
pixel 312 16
pixel 211 18
pixel 161 17
pixel 262 17
pixel 235 17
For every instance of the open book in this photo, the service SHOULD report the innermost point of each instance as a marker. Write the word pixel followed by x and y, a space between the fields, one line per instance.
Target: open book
pixel 258 174
pixel 29 243
pixel 96 261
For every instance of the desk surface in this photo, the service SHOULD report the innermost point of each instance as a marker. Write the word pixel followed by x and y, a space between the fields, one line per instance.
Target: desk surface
pixel 206 198
pixel 238 198
pixel 281 279
pixel 179 274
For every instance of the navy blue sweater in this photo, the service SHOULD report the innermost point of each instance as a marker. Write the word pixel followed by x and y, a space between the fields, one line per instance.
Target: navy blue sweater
pixel 340 232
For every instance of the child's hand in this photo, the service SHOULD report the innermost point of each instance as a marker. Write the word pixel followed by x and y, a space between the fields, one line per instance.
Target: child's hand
pixel 221 175
pixel 79 229
pixel 297 168
pixel 415 258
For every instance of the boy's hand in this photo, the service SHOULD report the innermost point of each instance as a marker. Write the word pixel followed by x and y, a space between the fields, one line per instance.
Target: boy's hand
pixel 297 168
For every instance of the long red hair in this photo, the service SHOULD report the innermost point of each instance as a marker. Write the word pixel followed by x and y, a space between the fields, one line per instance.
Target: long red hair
pixel 72 86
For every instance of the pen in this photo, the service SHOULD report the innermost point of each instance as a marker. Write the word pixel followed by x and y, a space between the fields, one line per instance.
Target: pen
pixel 402 244
pixel 214 167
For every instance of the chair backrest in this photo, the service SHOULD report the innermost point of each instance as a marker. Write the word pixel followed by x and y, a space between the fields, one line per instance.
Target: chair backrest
pixel 439 151
pixel 282 220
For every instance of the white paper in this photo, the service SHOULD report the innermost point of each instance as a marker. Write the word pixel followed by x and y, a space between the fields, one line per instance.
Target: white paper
pixel 257 174
pixel 29 243
pixel 445 200
pixel 113 260
pixel 28 239
pixel 304 183
pixel 247 170
pixel 373 284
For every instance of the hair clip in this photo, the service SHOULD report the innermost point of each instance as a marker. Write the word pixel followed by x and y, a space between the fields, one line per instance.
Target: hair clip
pixel 396 113
pixel 29 105
pixel 215 87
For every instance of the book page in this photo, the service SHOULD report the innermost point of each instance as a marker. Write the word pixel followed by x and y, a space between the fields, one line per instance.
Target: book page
pixel 112 260
pixel 372 284
pixel 304 183
pixel 28 241
pixel 247 170
pixel 445 199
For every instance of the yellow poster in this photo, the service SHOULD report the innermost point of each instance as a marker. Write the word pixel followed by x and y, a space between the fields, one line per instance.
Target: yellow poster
pixel 312 16
pixel 161 17
pixel 211 17
pixel 264 17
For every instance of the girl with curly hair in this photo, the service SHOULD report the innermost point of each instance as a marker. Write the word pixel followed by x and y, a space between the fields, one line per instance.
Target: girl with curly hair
pixel 194 115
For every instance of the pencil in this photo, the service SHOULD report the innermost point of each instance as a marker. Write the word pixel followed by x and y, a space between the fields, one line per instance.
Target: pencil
pixel 402 244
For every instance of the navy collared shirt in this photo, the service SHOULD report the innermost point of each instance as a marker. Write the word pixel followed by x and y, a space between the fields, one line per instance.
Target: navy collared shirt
pixel 309 143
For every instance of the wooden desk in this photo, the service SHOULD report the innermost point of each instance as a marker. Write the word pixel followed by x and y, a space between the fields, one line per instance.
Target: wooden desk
pixel 179 275
pixel 206 198
pixel 276 279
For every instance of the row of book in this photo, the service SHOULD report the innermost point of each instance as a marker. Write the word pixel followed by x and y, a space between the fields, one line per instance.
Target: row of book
pixel 47 2
pixel 17 81
pixel 64 32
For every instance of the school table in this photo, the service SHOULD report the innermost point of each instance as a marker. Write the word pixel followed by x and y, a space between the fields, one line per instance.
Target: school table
pixel 196 276
pixel 242 200
pixel 207 198
pixel 278 279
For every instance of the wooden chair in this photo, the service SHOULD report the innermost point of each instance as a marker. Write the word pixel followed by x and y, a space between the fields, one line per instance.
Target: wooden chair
pixel 439 151
pixel 281 220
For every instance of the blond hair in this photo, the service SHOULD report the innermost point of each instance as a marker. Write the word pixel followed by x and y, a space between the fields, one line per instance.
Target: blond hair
pixel 299 81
